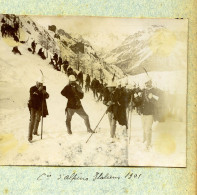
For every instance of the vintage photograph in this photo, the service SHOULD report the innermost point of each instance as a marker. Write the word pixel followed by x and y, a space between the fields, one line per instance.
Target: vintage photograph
pixel 93 91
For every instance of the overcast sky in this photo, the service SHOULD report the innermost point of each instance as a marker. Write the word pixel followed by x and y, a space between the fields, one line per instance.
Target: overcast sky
pixel 103 32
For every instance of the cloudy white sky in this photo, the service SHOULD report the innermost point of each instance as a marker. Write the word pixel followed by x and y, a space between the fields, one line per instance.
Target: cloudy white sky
pixel 106 33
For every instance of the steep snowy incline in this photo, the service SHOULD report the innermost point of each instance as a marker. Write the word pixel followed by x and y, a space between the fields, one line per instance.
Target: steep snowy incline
pixel 17 74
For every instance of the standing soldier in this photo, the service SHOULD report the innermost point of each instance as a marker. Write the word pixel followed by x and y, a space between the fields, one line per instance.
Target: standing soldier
pixel 123 100
pixel 65 65
pixel 37 107
pixel 149 100
pixel 87 86
pixel 80 78
pixel 69 71
pixel 101 91
pixel 93 87
pixel 96 86
pixel 74 93
pixel 111 101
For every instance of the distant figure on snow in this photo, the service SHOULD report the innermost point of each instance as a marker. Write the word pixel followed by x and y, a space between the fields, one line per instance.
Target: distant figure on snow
pixel 87 86
pixel 33 45
pixel 15 50
pixel 41 54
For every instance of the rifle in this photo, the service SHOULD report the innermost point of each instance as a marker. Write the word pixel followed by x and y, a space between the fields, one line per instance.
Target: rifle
pixel 146 73
pixel 149 76
pixel 114 76
pixel 42 109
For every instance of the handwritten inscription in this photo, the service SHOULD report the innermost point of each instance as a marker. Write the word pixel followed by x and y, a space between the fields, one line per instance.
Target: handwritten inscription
pixel 95 177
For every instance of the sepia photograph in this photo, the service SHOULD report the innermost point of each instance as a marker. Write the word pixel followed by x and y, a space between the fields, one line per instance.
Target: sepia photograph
pixel 93 91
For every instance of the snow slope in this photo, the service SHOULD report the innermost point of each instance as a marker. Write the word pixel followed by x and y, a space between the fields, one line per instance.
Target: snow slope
pixel 18 74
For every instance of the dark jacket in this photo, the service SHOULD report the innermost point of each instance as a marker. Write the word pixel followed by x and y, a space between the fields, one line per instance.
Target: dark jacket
pixel 111 96
pixel 73 96
pixel 88 79
pixel 148 105
pixel 36 99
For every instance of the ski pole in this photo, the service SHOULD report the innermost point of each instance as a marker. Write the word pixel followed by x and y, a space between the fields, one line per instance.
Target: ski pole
pixel 42 115
pixel 42 108
pixel 96 126
pixel 130 117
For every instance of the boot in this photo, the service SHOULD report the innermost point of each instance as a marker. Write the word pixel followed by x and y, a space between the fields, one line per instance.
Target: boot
pixel 87 123
pixel 90 131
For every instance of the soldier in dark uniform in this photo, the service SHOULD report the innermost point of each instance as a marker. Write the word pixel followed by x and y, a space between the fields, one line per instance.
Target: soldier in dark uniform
pixel 65 65
pixel 96 86
pixel 80 78
pixel 69 71
pixel 122 104
pixel 74 93
pixel 93 87
pixel 87 86
pixel 37 107
pixel 111 101
pixel 149 99
pixel 100 90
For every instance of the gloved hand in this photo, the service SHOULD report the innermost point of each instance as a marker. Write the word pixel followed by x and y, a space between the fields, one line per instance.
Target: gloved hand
pixel 79 89
pixel 35 93
pixel 40 88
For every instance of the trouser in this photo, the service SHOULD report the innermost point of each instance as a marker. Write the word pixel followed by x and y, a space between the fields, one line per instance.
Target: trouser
pixel 95 93
pixel 34 122
pixel 100 97
pixel 70 112
pixel 87 86
pixel 147 121
pixel 112 123
pixel 81 83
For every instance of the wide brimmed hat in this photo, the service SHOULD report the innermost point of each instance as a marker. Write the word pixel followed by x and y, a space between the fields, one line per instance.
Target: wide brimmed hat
pixel 40 79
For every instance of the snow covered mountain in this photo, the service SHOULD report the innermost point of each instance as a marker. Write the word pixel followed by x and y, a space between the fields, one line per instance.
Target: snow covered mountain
pixel 76 50
pixel 156 49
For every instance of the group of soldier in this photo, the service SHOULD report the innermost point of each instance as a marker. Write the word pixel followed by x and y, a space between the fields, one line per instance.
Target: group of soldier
pixel 120 100
pixel 10 28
